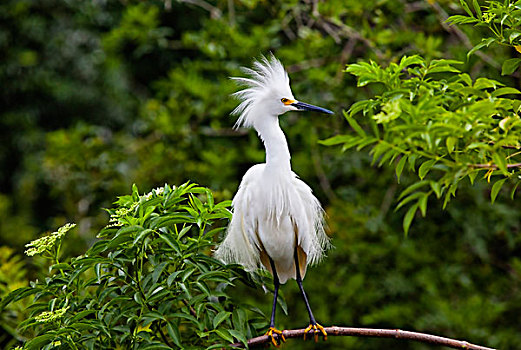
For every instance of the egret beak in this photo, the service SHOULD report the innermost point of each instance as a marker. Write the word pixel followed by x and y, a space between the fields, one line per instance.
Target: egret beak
pixel 307 107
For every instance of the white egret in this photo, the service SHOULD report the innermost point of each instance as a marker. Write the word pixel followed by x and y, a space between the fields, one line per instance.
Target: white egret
pixel 277 222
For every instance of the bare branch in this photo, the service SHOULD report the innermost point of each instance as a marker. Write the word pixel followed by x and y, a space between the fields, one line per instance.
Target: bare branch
pixel 494 166
pixel 370 332
pixel 214 11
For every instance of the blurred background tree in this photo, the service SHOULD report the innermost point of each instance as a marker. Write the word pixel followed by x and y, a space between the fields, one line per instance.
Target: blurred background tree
pixel 98 95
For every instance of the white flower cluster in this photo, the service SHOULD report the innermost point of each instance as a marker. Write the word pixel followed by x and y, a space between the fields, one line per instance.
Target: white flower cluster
pixel 51 316
pixel 156 191
pixel 115 219
pixel 42 244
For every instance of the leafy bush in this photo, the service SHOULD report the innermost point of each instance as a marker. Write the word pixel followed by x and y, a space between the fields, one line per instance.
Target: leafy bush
pixel 150 281
pixel 450 125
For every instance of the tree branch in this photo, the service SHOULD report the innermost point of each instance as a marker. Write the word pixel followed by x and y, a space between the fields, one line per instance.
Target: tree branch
pixel 494 166
pixel 370 332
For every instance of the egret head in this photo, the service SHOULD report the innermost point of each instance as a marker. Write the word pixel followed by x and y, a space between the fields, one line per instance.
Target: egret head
pixel 267 93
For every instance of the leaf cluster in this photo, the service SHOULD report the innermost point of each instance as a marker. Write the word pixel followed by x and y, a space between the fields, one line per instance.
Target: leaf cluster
pixel 502 19
pixel 148 283
pixel 430 118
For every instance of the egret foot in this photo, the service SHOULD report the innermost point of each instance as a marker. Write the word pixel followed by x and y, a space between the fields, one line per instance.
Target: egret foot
pixel 275 334
pixel 315 329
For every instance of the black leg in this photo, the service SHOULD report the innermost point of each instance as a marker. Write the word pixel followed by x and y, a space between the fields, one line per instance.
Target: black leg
pixel 299 282
pixel 313 325
pixel 276 293
pixel 273 332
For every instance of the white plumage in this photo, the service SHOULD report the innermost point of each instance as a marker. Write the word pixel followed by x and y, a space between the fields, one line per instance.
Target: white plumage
pixel 275 213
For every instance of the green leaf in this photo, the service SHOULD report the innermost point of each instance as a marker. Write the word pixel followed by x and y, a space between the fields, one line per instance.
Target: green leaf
pixel 510 66
pixel 482 44
pixel 185 316
pixel 466 8
pixel 436 187
pixel 336 140
pixel 443 69
pixel 513 192
pixel 142 234
pixel 412 162
pixel 464 77
pixel 204 288
pixel 409 216
pixel 173 332
pixel 17 294
pixel 399 167
pixel 123 235
pixel 221 316
pixel 451 143
pixel 223 333
pixel 82 314
pixel 459 19
pixel 169 220
pixel 472 176
pixel 413 188
pixel 425 167
pixel 513 36
pixel 359 106
pixel 209 199
pixel 422 203
pixel 168 239
pixel 412 197
pixel 354 124
pixel 184 231
pixel 495 189
pixel 477 8
pixel 158 270
pixel 172 277
pixel 366 142
pixel 500 161
pixel 38 342
pixel 505 91
pixel 239 336
pixel 410 60
pixel 484 83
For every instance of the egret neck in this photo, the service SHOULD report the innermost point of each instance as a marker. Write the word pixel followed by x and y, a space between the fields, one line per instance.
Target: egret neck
pixel 277 151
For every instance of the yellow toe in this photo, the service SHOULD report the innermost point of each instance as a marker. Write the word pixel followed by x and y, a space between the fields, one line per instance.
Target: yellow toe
pixel 275 333
pixel 316 329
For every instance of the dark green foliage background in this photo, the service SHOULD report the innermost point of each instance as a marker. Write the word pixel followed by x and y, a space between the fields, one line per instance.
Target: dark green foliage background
pixel 98 95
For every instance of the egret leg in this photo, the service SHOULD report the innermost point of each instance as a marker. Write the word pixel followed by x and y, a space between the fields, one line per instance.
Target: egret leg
pixel 274 331
pixel 313 325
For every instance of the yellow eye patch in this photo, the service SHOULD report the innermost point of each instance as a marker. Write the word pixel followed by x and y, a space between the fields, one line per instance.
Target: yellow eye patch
pixel 287 101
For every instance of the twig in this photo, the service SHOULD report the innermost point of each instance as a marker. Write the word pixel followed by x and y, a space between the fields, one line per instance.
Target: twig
pixel 215 12
pixel 231 12
pixel 494 166
pixel 370 332
pixel 192 310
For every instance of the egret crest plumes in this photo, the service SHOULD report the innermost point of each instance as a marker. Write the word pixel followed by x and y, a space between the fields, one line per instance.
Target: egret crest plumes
pixel 266 84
